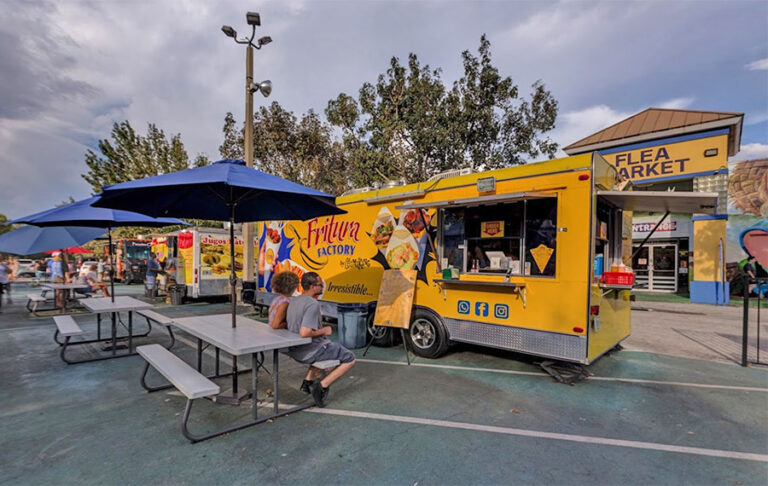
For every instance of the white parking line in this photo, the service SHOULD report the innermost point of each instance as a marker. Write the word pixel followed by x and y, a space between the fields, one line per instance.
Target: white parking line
pixel 699 451
pixel 544 375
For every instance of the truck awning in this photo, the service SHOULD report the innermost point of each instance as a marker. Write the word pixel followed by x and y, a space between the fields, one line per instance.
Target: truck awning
pixel 663 201
pixel 478 201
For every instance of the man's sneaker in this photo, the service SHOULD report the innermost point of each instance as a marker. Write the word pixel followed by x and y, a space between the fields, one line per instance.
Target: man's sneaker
pixel 319 393
pixel 305 386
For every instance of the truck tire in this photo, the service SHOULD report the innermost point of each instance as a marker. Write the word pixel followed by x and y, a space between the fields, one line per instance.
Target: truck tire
pixel 382 336
pixel 427 335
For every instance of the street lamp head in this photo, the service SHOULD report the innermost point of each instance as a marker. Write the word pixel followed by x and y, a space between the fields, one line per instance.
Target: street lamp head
pixel 264 87
pixel 265 40
pixel 228 31
pixel 253 18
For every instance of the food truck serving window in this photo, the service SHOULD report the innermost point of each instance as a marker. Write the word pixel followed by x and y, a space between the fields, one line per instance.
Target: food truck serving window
pixel 518 236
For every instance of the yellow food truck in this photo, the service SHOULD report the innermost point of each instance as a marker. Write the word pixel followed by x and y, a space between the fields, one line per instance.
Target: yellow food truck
pixel 512 258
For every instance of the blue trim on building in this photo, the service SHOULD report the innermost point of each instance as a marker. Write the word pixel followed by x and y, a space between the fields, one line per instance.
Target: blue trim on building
pixel 662 141
pixel 717 293
pixel 709 217
pixel 680 177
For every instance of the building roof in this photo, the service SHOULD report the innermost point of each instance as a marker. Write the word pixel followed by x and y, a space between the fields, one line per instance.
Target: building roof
pixel 655 123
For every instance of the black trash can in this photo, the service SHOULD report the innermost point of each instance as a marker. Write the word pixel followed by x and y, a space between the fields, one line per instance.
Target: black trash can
pixel 177 293
pixel 352 321
pixel 248 294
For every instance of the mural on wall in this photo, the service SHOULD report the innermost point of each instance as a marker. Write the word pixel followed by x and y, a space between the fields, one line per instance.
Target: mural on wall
pixel 747 228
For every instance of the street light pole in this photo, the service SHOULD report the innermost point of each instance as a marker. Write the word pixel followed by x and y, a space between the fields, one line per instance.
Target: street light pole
pixel 248 227
pixel 265 87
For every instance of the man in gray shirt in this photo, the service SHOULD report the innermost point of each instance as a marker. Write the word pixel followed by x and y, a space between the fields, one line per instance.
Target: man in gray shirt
pixel 303 317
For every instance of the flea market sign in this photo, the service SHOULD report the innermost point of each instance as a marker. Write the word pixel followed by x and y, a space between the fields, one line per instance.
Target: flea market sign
pixel 670 160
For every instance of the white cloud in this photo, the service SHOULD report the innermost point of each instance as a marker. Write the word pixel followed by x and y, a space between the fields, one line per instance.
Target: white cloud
pixel 677 103
pixel 755 118
pixel 575 125
pixel 759 65
pixel 751 151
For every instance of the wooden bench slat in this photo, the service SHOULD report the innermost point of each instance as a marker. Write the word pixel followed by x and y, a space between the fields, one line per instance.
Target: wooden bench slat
pixel 154 316
pixel 67 326
pixel 185 378
pixel 36 298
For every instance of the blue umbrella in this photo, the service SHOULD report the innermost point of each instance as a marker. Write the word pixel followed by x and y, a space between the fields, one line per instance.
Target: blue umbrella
pixel 226 190
pixel 32 239
pixel 82 213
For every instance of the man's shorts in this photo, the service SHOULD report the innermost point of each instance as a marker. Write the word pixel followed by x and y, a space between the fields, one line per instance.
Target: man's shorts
pixel 328 350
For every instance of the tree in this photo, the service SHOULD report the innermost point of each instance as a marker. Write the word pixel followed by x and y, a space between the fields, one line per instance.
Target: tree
pixel 130 156
pixel 3 227
pixel 408 126
pixel 299 150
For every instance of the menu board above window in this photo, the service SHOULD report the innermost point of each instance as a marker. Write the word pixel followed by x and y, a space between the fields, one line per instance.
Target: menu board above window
pixel 486 184
pixel 492 229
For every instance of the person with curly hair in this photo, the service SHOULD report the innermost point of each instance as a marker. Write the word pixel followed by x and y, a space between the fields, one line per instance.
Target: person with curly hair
pixel 284 284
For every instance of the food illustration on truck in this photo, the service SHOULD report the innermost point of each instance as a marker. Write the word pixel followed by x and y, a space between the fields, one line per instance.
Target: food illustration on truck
pixel 383 228
pixel 402 251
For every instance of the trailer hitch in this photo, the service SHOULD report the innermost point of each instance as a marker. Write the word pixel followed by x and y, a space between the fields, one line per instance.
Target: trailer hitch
pixel 563 372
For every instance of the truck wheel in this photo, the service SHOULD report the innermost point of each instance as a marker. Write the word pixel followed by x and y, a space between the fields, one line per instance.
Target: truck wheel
pixel 382 336
pixel 427 336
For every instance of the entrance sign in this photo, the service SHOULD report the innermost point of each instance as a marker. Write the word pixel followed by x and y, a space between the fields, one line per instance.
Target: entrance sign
pixel 670 160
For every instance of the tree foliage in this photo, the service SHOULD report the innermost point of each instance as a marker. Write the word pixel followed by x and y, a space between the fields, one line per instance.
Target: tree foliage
pixel 301 150
pixel 3 227
pixel 409 126
pixel 130 155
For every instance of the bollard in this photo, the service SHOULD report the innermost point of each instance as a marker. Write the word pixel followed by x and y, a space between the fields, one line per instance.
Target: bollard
pixel 745 325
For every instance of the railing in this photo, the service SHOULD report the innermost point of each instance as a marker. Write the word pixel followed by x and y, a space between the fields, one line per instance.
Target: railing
pixel 745 358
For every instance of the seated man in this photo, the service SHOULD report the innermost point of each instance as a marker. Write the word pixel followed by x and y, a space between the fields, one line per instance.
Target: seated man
pixel 92 277
pixel 91 282
pixel 303 317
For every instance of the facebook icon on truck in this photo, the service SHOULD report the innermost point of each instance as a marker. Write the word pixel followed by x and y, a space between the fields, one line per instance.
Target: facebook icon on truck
pixel 481 309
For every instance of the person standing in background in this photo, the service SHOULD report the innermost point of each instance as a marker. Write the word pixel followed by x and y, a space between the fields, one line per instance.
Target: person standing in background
pixel 40 269
pixel 170 276
pixel 153 268
pixel 5 281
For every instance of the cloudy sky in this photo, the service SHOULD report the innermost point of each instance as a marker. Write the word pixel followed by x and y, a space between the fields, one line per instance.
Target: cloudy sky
pixel 71 68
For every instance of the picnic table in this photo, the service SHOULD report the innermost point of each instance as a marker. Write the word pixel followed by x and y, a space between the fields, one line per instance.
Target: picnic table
pixel 250 337
pixel 121 303
pixel 67 327
pixel 69 287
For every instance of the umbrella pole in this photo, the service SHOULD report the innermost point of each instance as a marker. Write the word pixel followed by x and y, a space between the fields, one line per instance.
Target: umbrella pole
pixel 233 275
pixel 233 296
pixel 111 265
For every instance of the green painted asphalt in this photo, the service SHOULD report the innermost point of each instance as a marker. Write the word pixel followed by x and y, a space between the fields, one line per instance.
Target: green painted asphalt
pixel 93 423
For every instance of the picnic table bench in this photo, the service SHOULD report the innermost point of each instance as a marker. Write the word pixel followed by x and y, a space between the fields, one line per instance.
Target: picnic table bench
pixel 152 316
pixel 35 300
pixel 183 377
pixel 66 327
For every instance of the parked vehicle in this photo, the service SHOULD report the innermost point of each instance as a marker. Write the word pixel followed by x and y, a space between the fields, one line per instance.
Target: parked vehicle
pixel 530 258
pixel 203 261
pixel 131 256
pixel 26 267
